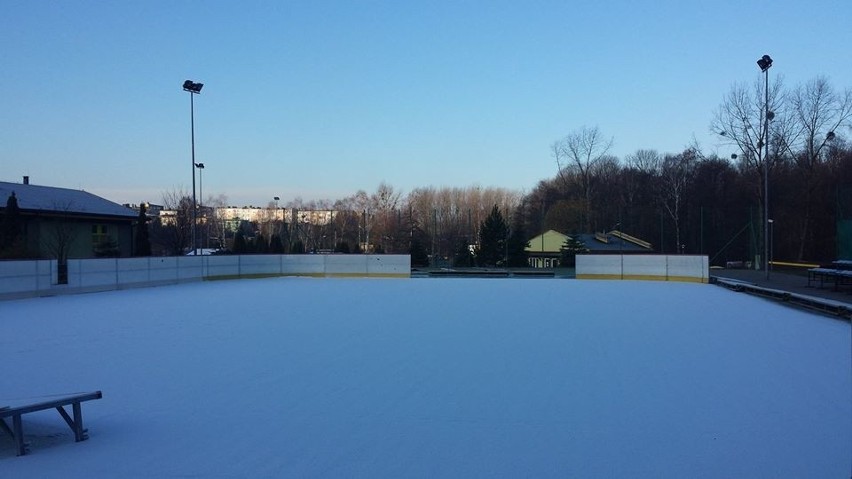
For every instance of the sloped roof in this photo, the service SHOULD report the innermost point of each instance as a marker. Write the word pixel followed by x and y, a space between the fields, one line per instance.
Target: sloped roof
pixel 48 199
pixel 614 243
pixel 550 241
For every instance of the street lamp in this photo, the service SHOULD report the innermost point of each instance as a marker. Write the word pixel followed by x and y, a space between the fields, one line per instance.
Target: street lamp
pixel 200 167
pixel 193 88
pixel 765 63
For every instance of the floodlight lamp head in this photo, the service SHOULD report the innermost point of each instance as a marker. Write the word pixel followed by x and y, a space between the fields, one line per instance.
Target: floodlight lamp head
pixel 764 63
pixel 200 166
pixel 192 86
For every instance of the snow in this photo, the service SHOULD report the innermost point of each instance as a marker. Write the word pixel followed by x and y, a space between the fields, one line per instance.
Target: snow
pixel 296 377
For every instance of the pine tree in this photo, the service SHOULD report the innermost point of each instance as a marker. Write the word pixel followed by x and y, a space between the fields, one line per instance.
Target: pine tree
pixel 275 245
pixel 107 248
pixel 240 246
pixel 419 256
pixel 11 240
pixel 143 241
pixel 260 245
pixel 463 257
pixel 518 245
pixel 570 249
pixel 298 247
pixel 493 234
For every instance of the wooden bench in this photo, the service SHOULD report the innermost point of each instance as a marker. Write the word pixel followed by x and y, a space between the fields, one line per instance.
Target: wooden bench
pixel 75 422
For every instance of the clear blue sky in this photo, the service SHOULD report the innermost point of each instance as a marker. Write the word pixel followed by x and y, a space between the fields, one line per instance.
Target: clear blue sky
pixel 319 99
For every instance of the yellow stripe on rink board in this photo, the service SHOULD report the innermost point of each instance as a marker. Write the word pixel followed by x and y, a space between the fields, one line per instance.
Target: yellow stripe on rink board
pixel 794 265
pixel 645 277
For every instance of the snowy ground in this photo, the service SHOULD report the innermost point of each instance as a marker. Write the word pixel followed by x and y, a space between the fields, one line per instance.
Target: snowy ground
pixel 429 378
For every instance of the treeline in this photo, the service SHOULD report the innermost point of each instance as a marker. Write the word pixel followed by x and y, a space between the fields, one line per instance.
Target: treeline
pixel 700 204
pixel 437 224
pixel 688 202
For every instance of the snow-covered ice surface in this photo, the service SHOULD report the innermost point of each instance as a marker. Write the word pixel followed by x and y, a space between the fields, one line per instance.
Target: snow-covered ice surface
pixel 430 378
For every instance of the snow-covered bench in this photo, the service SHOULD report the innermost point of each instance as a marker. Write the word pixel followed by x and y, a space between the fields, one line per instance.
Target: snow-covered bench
pixel 75 422
pixel 839 274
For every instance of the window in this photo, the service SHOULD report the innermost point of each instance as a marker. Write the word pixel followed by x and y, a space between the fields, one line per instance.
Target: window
pixel 99 235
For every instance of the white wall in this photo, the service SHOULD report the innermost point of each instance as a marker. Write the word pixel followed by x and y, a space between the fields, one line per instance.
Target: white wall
pixel 20 279
pixel 646 267
pixel 26 277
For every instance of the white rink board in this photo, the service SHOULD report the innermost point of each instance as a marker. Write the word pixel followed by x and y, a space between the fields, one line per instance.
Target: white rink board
pixel 25 276
pixel 689 268
pixel 39 278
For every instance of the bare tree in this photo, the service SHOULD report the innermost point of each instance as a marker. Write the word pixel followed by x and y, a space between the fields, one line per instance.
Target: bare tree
pixel 214 223
pixel 740 121
pixel 384 204
pixel 172 231
pixel 63 233
pixel 818 111
pixel 60 239
pixel 676 173
pixel 577 157
pixel 645 161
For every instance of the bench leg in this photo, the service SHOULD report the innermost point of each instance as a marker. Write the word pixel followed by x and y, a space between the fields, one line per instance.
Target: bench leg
pixel 79 432
pixel 5 427
pixel 75 423
pixel 18 432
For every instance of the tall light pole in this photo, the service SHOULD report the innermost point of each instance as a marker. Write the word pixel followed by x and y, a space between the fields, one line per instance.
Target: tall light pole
pixel 200 167
pixel 764 63
pixel 193 88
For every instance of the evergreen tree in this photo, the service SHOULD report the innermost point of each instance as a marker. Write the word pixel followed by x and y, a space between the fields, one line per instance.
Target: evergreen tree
pixel 275 245
pixel 240 246
pixel 518 245
pixel 462 256
pixel 260 245
pixel 107 248
pixel 298 247
pixel 419 256
pixel 493 234
pixel 11 240
pixel 142 246
pixel 570 249
pixel 342 247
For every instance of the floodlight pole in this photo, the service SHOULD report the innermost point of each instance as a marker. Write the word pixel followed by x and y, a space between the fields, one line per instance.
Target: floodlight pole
pixel 764 63
pixel 193 88
pixel 766 178
pixel 192 136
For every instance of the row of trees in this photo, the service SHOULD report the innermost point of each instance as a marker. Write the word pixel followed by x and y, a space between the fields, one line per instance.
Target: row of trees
pixel 686 202
pixel 442 222
pixel 701 203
